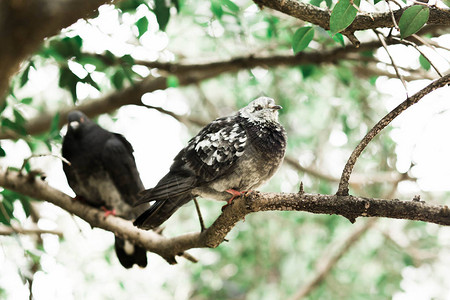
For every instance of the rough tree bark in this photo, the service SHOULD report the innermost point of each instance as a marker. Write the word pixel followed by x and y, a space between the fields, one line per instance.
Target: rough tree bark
pixel 321 17
pixel 25 24
pixel 350 207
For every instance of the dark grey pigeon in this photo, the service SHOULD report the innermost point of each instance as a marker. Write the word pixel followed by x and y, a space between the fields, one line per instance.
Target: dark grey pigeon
pixel 103 173
pixel 229 156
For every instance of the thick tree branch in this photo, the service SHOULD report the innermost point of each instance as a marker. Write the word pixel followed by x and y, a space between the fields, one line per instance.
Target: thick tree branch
pixel 24 25
pixel 321 17
pixel 343 184
pixel 350 207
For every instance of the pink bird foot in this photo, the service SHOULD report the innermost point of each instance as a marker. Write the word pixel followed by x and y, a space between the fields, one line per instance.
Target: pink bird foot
pixel 109 212
pixel 234 195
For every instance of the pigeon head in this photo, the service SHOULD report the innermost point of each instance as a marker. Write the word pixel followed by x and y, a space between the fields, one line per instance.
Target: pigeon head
pixel 77 119
pixel 262 109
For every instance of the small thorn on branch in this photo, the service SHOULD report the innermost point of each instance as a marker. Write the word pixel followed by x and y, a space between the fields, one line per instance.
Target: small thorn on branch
pixel 352 219
pixel 352 38
pixel 189 257
pixel 301 190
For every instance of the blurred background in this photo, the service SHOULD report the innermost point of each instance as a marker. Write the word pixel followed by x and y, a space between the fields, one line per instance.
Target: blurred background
pixel 329 104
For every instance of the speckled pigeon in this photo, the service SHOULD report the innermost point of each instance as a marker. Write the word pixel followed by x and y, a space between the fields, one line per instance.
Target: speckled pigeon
pixel 229 156
pixel 103 173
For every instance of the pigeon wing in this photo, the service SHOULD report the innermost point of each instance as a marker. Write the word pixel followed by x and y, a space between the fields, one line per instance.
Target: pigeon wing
pixel 118 160
pixel 214 151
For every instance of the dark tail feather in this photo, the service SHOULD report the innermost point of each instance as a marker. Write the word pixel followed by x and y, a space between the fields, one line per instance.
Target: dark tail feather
pixel 170 186
pixel 129 254
pixel 160 211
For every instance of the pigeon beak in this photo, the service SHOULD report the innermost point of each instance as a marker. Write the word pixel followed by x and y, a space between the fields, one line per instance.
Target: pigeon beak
pixel 74 124
pixel 276 107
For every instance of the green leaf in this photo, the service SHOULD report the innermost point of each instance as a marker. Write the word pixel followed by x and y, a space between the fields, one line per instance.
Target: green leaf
pixel 24 77
pixel 7 208
pixel 19 119
pixel 66 48
pixel 88 79
pixel 424 62
pixel 368 53
pixel 128 59
pixel 142 25
pixel 343 15
pixel 92 60
pixel 26 100
pixel 307 70
pixel 317 3
pixel 34 256
pixel 231 5
pixel 3 106
pixel 26 205
pixel 338 38
pixel 109 56
pixel 177 4
pixel 2 152
pixel 118 78
pixel 216 8
pixel 54 125
pixel 129 5
pixel 69 81
pixel 345 75
pixel 412 19
pixel 302 37
pixel 272 23
pixel 446 2
pixel 7 123
pixel 376 1
pixel 162 13
pixel 172 81
pixel 7 205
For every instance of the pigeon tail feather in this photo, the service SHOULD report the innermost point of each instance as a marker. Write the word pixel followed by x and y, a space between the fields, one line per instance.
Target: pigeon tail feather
pixel 130 254
pixel 160 211
pixel 168 187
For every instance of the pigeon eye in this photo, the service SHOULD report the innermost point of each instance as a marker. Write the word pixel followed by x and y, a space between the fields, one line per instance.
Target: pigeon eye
pixel 259 107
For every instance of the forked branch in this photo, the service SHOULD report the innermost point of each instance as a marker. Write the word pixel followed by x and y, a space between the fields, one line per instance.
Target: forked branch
pixel 343 184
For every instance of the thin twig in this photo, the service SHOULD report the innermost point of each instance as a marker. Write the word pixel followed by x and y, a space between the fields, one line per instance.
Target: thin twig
pixel 10 230
pixel 344 182
pixel 392 15
pixel 399 4
pixel 26 160
pixel 180 118
pixel 199 213
pixel 408 43
pixel 383 42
